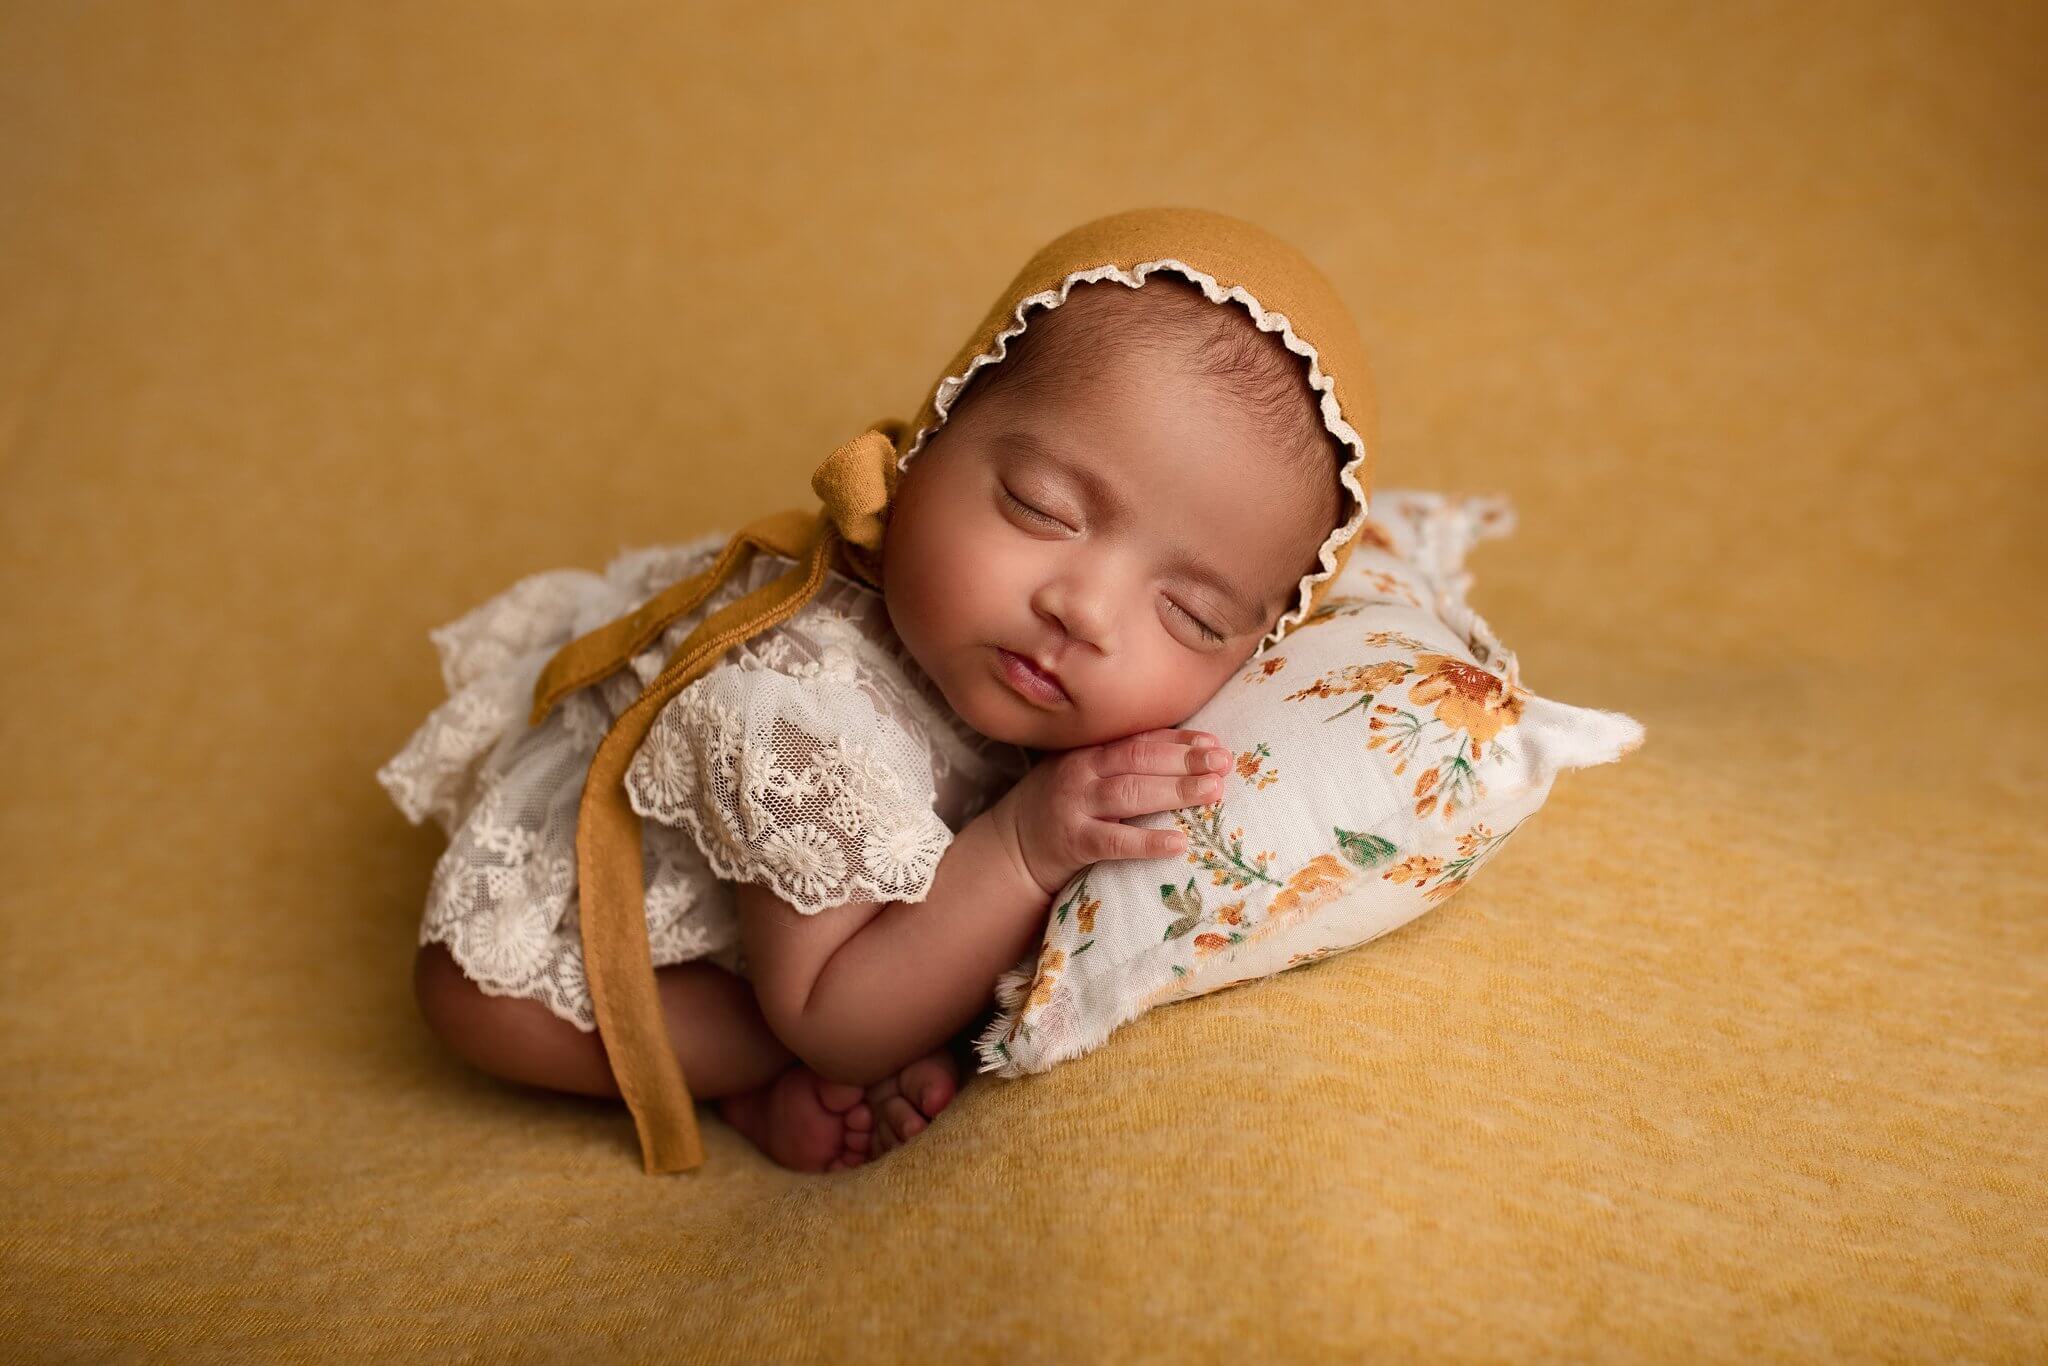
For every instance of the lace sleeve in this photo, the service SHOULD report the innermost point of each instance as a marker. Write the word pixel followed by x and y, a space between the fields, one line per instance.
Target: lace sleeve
pixel 800 784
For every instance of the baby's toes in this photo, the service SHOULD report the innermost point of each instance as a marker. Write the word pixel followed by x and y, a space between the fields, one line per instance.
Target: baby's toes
pixel 885 1133
pixel 931 1082
pixel 839 1097
pixel 903 1117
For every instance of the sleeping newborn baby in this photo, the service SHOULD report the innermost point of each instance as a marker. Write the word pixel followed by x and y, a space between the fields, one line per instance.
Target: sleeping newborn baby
pixel 1102 531
pixel 1106 526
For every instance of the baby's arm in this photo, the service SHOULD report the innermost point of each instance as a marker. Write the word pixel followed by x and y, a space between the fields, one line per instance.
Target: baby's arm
pixel 859 990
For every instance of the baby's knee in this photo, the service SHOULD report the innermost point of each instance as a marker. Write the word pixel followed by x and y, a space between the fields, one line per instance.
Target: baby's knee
pixel 455 1008
pixel 512 1037
pixel 444 995
pixel 818 1043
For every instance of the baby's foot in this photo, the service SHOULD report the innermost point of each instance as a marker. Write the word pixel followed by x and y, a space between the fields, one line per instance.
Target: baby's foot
pixel 905 1103
pixel 803 1121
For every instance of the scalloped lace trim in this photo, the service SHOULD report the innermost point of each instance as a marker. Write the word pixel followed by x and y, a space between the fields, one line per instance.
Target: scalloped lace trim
pixel 506 794
pixel 1268 321
pixel 779 794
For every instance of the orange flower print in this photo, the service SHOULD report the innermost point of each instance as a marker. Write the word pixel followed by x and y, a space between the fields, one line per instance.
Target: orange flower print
pixel 1416 869
pixel 1209 943
pixel 1475 846
pixel 1473 840
pixel 1359 678
pixel 1467 697
pixel 1267 668
pixel 1222 855
pixel 1231 913
pixel 1231 875
pixel 1320 879
pixel 1317 882
pixel 1250 763
pixel 1391 587
pixel 1049 964
pixel 1407 727
pixel 1372 534
pixel 1085 907
pixel 1472 705
pixel 1426 794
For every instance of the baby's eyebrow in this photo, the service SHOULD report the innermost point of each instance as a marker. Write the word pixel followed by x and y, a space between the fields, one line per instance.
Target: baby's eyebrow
pixel 1102 492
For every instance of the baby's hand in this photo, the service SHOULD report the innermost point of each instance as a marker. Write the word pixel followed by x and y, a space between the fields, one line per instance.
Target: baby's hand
pixel 1068 811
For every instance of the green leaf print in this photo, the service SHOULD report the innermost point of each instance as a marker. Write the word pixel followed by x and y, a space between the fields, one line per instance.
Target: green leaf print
pixel 1080 891
pixel 1186 905
pixel 1367 851
pixel 1210 849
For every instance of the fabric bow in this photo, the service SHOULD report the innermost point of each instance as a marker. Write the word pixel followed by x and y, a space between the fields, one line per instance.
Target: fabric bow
pixel 854 484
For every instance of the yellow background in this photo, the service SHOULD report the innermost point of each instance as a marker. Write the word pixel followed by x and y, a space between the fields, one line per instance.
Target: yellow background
pixel 320 323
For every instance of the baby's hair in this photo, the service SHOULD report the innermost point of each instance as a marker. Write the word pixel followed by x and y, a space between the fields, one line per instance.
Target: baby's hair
pixel 1169 316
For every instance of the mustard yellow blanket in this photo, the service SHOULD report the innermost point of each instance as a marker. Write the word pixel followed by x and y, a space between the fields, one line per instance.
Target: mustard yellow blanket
pixel 321 321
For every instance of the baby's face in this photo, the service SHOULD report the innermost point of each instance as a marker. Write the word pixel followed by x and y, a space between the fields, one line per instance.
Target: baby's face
pixel 1143 596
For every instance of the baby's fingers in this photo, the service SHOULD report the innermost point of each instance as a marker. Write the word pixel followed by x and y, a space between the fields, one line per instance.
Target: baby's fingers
pixel 1141 794
pixel 1161 752
pixel 1178 736
pixel 1115 840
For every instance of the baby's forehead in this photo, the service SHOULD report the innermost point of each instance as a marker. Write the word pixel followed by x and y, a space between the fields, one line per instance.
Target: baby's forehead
pixel 1214 445
pixel 1109 345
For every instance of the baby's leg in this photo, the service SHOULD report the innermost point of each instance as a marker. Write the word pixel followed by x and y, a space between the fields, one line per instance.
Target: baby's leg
pixel 726 1050
pixel 723 1044
pixel 861 989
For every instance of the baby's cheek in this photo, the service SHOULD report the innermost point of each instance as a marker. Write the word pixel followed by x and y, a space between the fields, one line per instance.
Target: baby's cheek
pixel 1192 683
pixel 1142 697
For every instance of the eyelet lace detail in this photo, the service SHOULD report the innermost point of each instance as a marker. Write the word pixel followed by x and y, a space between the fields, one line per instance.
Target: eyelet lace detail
pixel 502 896
pixel 787 775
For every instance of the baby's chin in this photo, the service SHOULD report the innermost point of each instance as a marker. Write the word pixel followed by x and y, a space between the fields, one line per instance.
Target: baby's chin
pixel 992 709
pixel 1008 719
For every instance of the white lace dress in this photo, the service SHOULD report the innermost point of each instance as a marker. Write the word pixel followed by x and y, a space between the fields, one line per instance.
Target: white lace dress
pixel 816 758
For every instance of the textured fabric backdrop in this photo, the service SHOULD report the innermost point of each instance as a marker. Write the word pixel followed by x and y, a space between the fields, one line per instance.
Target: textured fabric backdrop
pixel 318 324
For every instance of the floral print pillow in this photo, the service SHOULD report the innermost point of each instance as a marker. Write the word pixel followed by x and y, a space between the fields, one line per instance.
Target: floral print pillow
pixel 1385 750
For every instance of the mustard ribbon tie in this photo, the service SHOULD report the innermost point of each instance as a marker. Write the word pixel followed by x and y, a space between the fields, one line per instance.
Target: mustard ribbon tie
pixel 855 484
